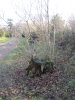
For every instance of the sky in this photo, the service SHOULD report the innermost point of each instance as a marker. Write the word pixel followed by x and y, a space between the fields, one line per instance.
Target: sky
pixel 65 8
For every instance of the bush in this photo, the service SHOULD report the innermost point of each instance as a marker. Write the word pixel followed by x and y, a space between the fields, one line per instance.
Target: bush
pixel 1 33
pixel 8 35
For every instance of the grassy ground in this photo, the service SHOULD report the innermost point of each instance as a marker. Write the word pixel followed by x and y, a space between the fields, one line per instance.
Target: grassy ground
pixel 3 39
pixel 63 81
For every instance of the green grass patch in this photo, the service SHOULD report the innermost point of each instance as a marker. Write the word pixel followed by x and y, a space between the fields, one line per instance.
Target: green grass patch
pixel 3 39
pixel 10 58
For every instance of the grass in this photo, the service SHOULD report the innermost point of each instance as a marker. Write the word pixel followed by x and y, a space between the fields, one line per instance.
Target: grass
pixel 9 58
pixel 3 39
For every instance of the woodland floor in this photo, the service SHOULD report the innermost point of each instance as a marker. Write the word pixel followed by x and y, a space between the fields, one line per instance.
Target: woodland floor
pixel 15 85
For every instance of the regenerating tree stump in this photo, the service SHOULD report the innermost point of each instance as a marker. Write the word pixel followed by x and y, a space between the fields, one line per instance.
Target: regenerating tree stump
pixel 37 67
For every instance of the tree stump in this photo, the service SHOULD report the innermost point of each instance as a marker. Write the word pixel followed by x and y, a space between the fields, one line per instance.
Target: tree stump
pixel 37 67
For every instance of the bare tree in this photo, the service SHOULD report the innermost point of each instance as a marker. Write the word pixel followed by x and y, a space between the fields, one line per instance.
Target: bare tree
pixel 58 23
pixel 40 21
pixel 72 23
pixel 10 27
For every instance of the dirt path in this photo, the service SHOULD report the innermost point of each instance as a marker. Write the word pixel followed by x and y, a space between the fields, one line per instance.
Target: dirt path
pixel 5 70
pixel 5 48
